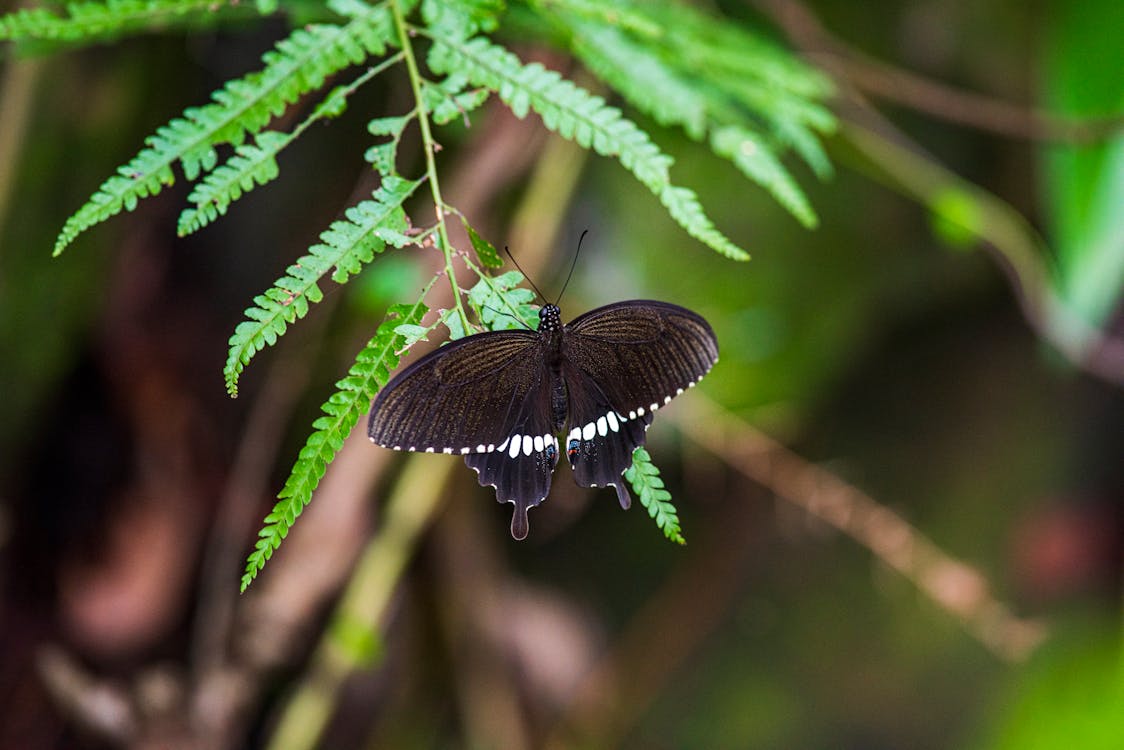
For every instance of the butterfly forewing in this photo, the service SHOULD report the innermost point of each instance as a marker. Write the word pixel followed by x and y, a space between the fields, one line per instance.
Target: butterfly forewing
pixel 641 353
pixel 460 398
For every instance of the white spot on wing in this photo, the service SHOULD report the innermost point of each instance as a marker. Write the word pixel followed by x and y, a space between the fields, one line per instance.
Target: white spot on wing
pixel 480 448
pixel 575 434
pixel 632 414
pixel 602 427
pixel 503 446
pixel 640 411
pixel 588 430
pixel 429 449
pixel 667 399
pixel 465 451
pixel 613 425
pixel 528 445
pixel 514 450
pixel 539 447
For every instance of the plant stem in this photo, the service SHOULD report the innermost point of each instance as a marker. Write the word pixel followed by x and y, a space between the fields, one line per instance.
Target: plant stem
pixel 429 146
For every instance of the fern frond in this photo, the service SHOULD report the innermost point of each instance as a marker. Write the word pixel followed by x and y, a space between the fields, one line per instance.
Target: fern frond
pixel 684 206
pixel 501 304
pixel 347 245
pixel 576 115
pixel 90 21
pixel 757 162
pixel 256 164
pixel 655 85
pixel 653 88
pixel 297 65
pixel 342 411
pixel 485 250
pixel 645 480
pixel 461 18
pixel 252 164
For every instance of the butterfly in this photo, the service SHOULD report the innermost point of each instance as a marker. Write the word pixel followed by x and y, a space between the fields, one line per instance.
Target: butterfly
pixel 501 398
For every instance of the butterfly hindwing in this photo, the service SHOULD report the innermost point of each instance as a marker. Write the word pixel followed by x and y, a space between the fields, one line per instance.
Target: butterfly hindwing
pixel 600 438
pixel 520 468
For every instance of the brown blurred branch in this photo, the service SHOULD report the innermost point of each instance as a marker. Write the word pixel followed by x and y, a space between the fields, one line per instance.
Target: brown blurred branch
pixel 954 586
pixel 662 636
pixel 851 66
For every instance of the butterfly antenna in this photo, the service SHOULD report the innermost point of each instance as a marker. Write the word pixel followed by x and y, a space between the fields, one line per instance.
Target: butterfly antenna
pixel 513 317
pixel 528 278
pixel 573 265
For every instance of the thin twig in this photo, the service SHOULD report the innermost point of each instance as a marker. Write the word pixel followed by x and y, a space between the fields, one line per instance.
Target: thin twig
pixel 956 587
pixel 935 98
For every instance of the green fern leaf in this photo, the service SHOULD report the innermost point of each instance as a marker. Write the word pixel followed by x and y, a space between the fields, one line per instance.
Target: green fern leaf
pixel 297 65
pixel 684 207
pixel 95 21
pixel 485 251
pixel 347 245
pixel 653 88
pixel 461 18
pixel 577 115
pixel 253 164
pixel 342 411
pixel 645 480
pixel 256 164
pixel 750 155
pixel 501 304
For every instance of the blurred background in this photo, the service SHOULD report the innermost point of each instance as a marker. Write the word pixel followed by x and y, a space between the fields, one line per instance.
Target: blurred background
pixel 900 487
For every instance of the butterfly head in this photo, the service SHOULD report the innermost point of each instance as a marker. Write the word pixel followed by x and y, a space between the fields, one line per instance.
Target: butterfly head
pixel 550 319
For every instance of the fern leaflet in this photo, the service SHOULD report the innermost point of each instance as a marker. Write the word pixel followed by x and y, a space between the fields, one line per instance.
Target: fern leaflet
pixel 342 411
pixel 501 304
pixel 89 21
pixel 256 164
pixel 749 154
pixel 298 64
pixel 347 245
pixel 645 480
pixel 577 115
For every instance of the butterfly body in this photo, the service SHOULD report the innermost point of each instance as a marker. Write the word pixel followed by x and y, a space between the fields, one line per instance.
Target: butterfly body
pixel 501 398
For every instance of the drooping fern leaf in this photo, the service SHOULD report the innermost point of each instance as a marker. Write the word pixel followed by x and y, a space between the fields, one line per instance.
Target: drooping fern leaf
pixel 255 164
pixel 298 64
pixel 342 411
pixel 501 304
pixel 347 245
pixel 645 480
pixel 252 164
pixel 577 115
pixel 757 162
pixel 660 78
pixel 95 21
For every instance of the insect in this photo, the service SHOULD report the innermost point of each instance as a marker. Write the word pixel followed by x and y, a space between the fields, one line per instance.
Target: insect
pixel 502 398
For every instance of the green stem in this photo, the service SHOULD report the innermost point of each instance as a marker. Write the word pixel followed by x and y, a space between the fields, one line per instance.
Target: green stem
pixel 320 112
pixel 428 146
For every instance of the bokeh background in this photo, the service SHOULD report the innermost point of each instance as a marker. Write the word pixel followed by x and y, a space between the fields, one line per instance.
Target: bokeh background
pixel 931 560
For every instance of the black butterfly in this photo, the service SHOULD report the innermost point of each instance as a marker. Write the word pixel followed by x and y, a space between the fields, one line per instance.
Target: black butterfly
pixel 501 398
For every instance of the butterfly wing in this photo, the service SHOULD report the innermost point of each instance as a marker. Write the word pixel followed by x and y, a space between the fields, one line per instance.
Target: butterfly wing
pixel 520 468
pixel 480 397
pixel 624 361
